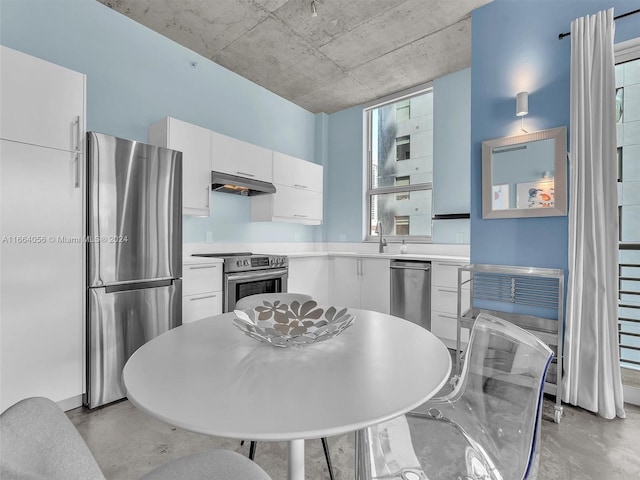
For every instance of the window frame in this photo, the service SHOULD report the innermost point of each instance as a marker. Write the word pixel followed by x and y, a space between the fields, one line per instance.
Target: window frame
pixel 369 190
pixel 625 52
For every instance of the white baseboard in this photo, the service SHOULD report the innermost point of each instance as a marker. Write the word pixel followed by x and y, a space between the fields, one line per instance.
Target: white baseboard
pixel 70 403
pixel 631 394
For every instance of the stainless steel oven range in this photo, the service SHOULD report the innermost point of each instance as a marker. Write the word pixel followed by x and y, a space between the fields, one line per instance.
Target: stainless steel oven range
pixel 249 274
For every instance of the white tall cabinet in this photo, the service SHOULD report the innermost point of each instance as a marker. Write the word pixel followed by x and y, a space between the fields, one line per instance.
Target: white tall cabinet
pixel 42 249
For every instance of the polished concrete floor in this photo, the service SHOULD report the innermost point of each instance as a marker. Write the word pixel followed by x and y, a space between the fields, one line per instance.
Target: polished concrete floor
pixel 127 444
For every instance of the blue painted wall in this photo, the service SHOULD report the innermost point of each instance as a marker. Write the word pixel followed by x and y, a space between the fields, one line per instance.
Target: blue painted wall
pixel 344 190
pixel 345 209
pixel 136 77
pixel 515 47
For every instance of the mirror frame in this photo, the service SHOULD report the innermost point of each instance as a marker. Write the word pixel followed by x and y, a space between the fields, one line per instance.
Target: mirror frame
pixel 559 134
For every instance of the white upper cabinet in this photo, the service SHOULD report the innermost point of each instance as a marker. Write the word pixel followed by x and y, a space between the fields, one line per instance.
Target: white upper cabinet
pixel 235 157
pixel 195 144
pixel 44 108
pixel 298 197
pixel 296 173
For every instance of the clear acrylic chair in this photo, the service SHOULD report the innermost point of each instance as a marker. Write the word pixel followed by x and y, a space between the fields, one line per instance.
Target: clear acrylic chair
pixel 260 299
pixel 487 428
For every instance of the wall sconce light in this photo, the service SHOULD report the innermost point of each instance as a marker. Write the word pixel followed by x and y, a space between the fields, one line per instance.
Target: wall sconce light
pixel 522 104
pixel 314 12
pixel 522 107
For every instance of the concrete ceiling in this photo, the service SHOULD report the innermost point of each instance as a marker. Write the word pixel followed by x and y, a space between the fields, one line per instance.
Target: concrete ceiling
pixel 352 52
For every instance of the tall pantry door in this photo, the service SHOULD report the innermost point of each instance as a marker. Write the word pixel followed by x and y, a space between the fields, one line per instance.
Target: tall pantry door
pixel 42 103
pixel 41 274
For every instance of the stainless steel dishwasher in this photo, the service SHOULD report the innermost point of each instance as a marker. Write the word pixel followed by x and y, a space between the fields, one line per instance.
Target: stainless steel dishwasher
pixel 411 291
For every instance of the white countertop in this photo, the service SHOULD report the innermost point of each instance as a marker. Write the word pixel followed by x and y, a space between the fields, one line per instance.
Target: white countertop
pixel 394 256
pixel 424 252
pixel 191 260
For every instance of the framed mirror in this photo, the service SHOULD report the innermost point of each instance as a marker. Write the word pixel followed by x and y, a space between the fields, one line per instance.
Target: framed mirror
pixel 525 175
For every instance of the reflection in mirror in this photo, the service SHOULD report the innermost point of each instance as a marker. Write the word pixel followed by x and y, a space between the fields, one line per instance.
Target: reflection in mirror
pixel 522 175
pixel 525 175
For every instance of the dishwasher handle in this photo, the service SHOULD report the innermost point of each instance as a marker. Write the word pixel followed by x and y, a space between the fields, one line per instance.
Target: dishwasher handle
pixel 411 266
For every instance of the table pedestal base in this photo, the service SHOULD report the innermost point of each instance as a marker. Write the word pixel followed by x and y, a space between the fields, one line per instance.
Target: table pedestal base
pixel 296 460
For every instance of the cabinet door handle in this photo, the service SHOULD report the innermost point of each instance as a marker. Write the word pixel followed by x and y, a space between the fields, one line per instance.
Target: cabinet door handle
pixel 299 186
pixel 203 266
pixel 302 216
pixel 203 297
pixel 246 174
pixel 208 196
pixel 77 132
pixel 446 290
pixel 76 162
pixel 451 264
pixel 447 316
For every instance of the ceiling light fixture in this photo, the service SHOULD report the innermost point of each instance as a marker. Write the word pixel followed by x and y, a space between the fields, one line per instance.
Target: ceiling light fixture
pixel 314 12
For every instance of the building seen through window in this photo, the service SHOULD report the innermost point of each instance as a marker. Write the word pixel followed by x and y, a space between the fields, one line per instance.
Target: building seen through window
pixel 400 166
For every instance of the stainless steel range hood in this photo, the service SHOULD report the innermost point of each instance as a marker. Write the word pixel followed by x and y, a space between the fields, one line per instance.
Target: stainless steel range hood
pixel 223 182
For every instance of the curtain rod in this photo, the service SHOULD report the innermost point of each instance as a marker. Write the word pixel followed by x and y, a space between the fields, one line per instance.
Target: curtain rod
pixel 566 34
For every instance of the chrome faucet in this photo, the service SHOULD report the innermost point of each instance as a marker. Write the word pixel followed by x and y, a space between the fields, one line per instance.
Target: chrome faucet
pixel 382 242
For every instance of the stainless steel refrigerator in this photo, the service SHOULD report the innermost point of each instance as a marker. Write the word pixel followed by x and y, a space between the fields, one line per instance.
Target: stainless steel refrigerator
pixel 134 255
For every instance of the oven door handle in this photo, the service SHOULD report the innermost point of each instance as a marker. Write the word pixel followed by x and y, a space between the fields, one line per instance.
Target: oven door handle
pixel 232 277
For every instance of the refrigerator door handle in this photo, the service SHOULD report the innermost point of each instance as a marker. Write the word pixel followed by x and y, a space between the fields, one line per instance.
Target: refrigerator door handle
pixel 123 287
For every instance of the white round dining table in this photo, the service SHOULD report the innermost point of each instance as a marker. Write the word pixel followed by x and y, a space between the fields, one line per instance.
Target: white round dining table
pixel 208 377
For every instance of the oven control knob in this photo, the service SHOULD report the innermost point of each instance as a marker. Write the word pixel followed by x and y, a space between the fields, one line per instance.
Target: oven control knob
pixel 246 263
pixel 239 263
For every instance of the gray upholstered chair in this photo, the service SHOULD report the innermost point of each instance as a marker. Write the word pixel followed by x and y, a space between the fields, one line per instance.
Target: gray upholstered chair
pixel 39 442
pixel 258 300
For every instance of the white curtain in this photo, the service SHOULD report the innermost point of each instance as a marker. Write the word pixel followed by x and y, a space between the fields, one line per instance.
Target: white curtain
pixel 592 377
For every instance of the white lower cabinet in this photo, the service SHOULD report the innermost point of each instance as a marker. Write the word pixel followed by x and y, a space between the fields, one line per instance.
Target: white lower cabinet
pixel 360 282
pixel 444 302
pixel 310 275
pixel 201 290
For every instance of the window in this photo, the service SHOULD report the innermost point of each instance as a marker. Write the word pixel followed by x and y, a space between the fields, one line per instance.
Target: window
pixel 399 136
pixel 402 225
pixel 628 159
pixel 402 182
pixel 403 148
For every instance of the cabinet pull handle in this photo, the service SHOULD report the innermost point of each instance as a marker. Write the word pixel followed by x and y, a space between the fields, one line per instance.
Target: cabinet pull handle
pixel 203 297
pixel 447 316
pixel 246 174
pixel 451 264
pixel 76 162
pixel 77 131
pixel 203 266
pixel 446 290
pixel 208 196
pixel 299 186
pixel 303 216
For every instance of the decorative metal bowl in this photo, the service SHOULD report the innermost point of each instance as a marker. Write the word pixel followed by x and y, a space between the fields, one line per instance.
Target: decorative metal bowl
pixel 283 325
